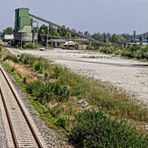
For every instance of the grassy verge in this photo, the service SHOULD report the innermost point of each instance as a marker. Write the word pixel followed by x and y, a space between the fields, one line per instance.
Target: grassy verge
pixel 60 96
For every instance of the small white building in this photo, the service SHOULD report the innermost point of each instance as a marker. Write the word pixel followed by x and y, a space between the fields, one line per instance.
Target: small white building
pixel 8 37
pixel 57 42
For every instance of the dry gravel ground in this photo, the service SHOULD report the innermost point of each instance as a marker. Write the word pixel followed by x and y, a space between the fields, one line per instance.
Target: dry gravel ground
pixel 128 75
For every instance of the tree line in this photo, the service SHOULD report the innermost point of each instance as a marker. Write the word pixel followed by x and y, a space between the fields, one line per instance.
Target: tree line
pixel 66 33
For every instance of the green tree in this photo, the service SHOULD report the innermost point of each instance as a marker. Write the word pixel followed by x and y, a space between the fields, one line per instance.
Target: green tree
pixel 117 39
pixel 42 34
pixel 8 30
pixel 96 36
pixel 86 33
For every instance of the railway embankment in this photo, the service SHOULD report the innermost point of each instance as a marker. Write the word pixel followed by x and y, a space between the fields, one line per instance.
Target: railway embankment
pixel 76 105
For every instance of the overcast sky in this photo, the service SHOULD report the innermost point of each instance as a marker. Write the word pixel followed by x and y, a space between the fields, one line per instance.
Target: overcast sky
pixel 114 16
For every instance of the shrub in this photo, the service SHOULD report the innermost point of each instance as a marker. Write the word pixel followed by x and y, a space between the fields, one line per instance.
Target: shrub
pixel 39 90
pixel 12 58
pixel 44 92
pixel 12 69
pixel 126 53
pixel 96 129
pixel 38 67
pixel 30 46
pixel 46 76
pixel 37 63
pixel 61 122
pixel 57 71
pixel 133 51
pixel 35 87
pixel 24 80
pixel 59 91
pixel 25 59
pixel 90 47
pixel 133 48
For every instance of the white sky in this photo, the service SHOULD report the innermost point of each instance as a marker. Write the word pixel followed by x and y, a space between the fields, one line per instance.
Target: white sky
pixel 114 16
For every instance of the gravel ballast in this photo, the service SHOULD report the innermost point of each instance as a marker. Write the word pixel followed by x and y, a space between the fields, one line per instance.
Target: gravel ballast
pixel 3 140
pixel 51 137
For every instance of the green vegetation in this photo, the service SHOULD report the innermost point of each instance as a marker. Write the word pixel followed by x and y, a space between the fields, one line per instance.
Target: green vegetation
pixel 8 30
pixel 52 93
pixel 44 92
pixel 54 32
pixel 38 64
pixel 133 51
pixel 118 44
pixel 26 45
pixel 30 46
pixel 97 130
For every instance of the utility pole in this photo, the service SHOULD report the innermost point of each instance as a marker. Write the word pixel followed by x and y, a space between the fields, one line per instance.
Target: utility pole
pixel 141 40
pixel 37 32
pixel 47 36
pixel 134 36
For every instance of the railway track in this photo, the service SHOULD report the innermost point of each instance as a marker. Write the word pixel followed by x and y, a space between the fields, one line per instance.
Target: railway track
pixel 21 131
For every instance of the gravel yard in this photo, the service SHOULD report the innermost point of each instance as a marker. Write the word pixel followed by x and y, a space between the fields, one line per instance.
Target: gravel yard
pixel 128 75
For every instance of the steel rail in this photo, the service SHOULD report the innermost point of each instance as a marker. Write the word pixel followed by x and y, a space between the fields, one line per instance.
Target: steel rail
pixel 9 120
pixel 23 112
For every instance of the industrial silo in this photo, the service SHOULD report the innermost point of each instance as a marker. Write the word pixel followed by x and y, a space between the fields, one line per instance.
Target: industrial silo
pixel 23 28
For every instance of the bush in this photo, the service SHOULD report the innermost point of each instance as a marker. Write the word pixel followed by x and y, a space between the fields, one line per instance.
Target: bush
pixel 46 76
pixel 127 53
pixel 107 50
pixel 35 87
pixel 30 46
pixel 90 47
pixel 61 122
pixel 38 64
pixel 12 58
pixel 45 92
pixel 38 67
pixel 133 51
pixel 26 59
pixel 133 48
pixel 39 91
pixel 24 80
pixel 96 129
pixel 57 71
pixel 58 90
